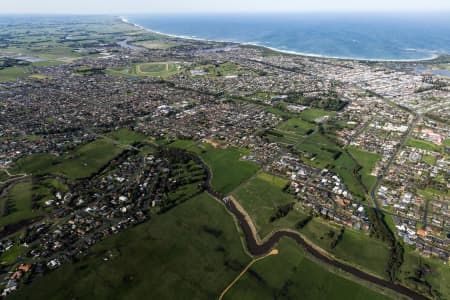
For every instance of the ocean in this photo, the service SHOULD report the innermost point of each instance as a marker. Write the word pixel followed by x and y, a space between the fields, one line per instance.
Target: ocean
pixel 355 36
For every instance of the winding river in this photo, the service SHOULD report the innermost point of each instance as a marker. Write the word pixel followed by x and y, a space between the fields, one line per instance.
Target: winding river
pixel 257 249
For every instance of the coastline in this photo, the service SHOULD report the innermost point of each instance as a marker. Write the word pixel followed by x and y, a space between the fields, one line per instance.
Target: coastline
pixel 302 54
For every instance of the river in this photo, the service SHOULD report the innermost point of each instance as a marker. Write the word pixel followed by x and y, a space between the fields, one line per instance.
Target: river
pixel 258 249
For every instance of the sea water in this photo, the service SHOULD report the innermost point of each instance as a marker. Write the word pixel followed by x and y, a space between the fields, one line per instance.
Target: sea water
pixel 356 36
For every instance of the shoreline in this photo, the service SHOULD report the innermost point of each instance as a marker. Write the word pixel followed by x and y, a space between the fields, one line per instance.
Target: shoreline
pixel 309 55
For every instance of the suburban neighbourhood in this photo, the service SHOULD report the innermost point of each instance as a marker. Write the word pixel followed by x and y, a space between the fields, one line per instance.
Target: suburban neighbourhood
pixel 116 126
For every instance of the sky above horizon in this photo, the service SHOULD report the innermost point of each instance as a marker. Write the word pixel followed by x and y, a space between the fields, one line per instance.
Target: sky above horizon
pixel 217 6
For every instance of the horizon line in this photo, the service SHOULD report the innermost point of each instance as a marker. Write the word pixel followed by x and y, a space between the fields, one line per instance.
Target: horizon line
pixel 232 12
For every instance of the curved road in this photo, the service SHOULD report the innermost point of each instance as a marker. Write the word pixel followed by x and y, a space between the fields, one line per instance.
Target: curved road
pixel 257 249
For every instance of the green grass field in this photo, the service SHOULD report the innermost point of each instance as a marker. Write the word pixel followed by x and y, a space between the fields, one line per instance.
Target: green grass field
pixel 280 111
pixel 292 275
pixel 191 252
pixel 296 126
pixel 261 196
pixel 228 170
pixel 126 136
pixel 3 175
pixel 347 168
pixel 182 144
pixel 79 163
pixel 322 151
pixel 39 77
pixel 36 164
pixel 446 142
pixel 164 69
pixel 321 148
pixel 87 159
pixel 312 115
pixel 290 131
pixel 367 160
pixel 436 276
pixel 154 69
pixel 13 73
pixel 355 247
pixel 429 159
pixel 155 44
pixel 17 205
pixel 224 69
pixel 11 255
pixel 425 145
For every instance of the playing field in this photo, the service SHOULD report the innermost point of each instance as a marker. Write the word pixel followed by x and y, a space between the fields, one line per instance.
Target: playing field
pixel 36 164
pixel 154 69
pixel 156 44
pixel 163 69
pixel 87 159
pixel 314 115
pixel 224 69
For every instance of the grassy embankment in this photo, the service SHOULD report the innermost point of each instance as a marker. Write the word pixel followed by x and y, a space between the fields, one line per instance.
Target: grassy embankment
pixel 263 195
pixel 293 275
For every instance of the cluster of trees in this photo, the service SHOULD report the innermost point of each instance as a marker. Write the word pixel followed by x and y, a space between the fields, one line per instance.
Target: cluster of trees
pixel 380 230
pixel 337 238
pixel 303 222
pixel 282 211
pixel 327 101
pixel 88 71
pixel 419 282
pixel 182 170
pixel 7 62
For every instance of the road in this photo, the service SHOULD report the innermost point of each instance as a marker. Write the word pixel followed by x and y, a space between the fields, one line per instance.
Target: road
pixel 391 160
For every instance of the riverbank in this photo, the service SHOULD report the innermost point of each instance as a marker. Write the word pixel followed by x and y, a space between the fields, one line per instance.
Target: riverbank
pixel 257 247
